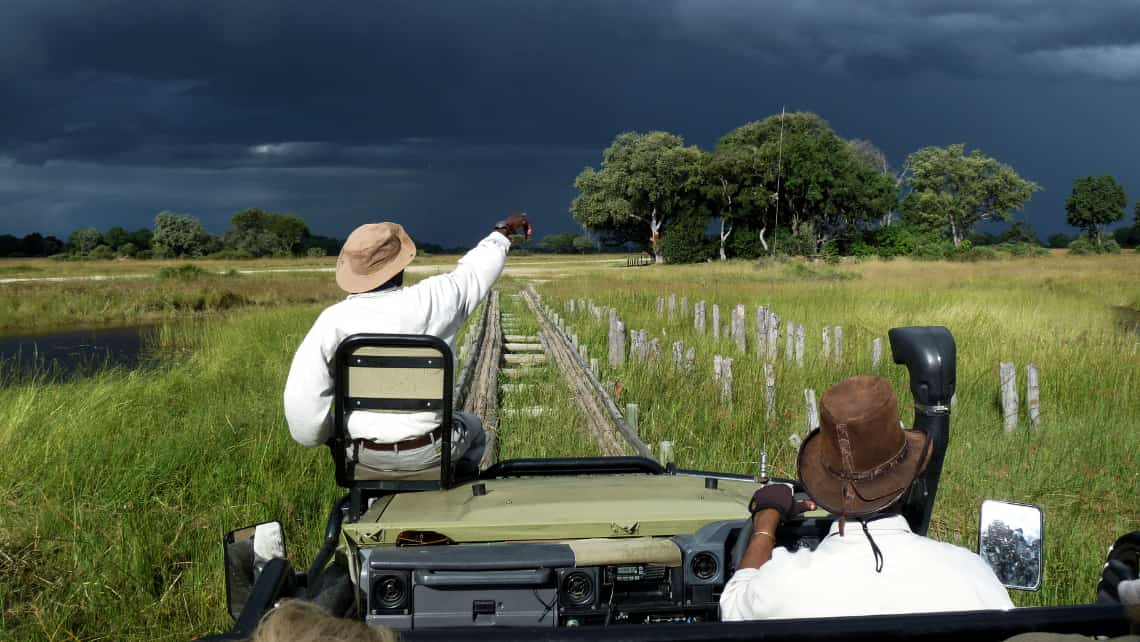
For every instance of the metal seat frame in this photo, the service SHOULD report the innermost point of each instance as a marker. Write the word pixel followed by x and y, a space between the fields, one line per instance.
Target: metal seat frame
pixel 360 491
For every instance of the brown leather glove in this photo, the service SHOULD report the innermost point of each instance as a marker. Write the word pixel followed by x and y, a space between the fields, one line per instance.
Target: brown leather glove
pixel 778 497
pixel 515 224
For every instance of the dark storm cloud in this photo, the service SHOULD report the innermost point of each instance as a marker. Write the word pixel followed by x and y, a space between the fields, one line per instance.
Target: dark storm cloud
pixel 455 111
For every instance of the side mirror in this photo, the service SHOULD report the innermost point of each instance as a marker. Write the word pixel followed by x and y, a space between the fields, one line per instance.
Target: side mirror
pixel 1010 541
pixel 247 551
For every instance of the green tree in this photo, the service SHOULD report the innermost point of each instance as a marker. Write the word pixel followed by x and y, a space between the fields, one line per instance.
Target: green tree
pixel 1059 240
pixel 261 233
pixel 291 229
pixel 1096 201
pixel 1020 232
pixel 177 235
pixel 793 170
pixel 644 181
pixel 559 242
pixel 84 240
pixel 583 244
pixel 116 237
pixel 952 191
pixel 735 186
pixel 141 238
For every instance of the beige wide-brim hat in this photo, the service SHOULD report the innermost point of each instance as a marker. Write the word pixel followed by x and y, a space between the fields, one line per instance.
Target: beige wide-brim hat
pixel 373 254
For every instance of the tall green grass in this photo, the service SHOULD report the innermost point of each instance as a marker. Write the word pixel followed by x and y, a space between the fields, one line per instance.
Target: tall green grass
pixel 115 490
pixel 1081 465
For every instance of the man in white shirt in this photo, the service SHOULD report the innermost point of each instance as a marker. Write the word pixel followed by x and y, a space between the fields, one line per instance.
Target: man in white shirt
pixel 371 269
pixel 857 465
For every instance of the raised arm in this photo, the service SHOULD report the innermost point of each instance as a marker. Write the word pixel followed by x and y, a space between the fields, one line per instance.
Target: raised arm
pixel 309 388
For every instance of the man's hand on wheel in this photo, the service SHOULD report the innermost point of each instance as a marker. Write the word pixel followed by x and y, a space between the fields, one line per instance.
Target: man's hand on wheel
pixel 515 224
pixel 778 497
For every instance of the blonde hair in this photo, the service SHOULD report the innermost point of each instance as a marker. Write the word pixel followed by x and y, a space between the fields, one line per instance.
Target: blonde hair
pixel 301 621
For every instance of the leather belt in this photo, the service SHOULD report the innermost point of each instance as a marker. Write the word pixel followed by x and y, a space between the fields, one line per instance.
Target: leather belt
pixel 407 444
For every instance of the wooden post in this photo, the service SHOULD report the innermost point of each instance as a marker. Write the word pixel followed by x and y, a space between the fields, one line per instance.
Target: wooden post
pixel 812 410
pixel 672 305
pixel 761 331
pixel 773 335
pixel 717 361
pixel 795 441
pixel 769 391
pixel 876 352
pixel 678 355
pixel 684 306
pixel 790 342
pixel 1032 394
pixel 582 352
pixel 826 345
pixel 690 359
pixel 699 317
pixel 655 350
pixel 665 449
pixel 800 345
pixel 726 381
pixel 617 342
pixel 631 412
pixel 837 336
pixel 738 314
pixel 1009 402
pixel 572 306
pixel 594 366
pixel 716 321
pixel 660 306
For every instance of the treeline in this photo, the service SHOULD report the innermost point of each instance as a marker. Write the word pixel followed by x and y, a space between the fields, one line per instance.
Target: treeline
pixel 253 234
pixel 790 185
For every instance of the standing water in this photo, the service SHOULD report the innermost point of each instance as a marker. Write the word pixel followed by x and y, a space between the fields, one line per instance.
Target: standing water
pixel 63 355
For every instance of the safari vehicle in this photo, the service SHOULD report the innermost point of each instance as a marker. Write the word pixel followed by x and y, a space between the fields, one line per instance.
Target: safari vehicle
pixel 592 548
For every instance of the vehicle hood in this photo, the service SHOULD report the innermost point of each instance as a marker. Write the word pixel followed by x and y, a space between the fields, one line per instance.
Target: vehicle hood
pixel 557 508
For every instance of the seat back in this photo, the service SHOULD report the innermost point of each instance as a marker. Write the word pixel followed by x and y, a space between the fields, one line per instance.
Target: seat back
pixel 390 373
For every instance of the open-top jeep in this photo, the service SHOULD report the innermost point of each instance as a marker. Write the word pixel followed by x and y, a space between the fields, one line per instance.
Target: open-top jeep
pixel 589 548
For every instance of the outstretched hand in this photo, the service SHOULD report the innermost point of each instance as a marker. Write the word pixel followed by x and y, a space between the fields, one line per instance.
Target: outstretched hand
pixel 518 224
pixel 778 497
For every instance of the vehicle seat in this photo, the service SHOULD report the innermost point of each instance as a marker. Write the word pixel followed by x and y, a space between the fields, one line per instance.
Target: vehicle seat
pixel 391 374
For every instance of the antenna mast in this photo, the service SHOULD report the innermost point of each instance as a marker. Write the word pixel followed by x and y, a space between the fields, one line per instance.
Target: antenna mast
pixel 779 175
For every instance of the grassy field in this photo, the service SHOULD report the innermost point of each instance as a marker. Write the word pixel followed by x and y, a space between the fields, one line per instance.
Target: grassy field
pixel 115 489
pixel 1061 313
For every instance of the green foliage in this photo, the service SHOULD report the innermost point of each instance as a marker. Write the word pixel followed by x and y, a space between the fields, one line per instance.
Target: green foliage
pixel 559 242
pixel 583 244
pixel 685 241
pixel 1084 245
pixel 316 252
pixel 1059 241
pixel 1022 249
pixel 745 242
pixel 178 235
pixel 101 252
pixel 1019 232
pixel 258 233
pixel 186 272
pixel 645 180
pixel 83 240
pixel 128 249
pixel 1096 201
pixel 822 181
pixel 951 191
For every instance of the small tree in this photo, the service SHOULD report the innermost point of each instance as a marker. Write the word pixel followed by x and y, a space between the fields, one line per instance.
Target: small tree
pixel 952 191
pixel 84 240
pixel 177 235
pixel 583 244
pixel 559 242
pixel 1096 201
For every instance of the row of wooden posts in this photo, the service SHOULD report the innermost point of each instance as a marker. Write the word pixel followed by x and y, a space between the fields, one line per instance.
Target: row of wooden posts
pixel 643 349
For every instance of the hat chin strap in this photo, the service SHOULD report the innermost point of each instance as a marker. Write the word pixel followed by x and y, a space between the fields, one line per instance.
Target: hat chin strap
pixel 850 476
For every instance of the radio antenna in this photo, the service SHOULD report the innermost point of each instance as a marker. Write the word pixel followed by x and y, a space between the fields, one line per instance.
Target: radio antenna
pixel 779 175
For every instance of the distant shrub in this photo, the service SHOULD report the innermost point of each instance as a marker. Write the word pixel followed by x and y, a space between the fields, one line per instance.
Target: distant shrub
pixel 101 253
pixel 316 252
pixel 805 271
pixel 187 272
pixel 1083 245
pixel 744 243
pixel 1022 249
pixel 973 254
pixel 232 254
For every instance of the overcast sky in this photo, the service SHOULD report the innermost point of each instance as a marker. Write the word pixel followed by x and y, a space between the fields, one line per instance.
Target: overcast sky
pixel 446 115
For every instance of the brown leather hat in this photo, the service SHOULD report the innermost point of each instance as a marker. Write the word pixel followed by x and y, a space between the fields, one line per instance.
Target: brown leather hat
pixel 373 254
pixel 860 460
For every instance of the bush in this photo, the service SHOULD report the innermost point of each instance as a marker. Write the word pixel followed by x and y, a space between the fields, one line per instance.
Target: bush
pixel 745 243
pixel 1023 249
pixel 231 254
pixel 1083 245
pixel 685 242
pixel 316 252
pixel 970 254
pixel 101 253
pixel 185 272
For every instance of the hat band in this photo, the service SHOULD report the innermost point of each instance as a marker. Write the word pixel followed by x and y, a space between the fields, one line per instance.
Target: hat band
pixel 874 472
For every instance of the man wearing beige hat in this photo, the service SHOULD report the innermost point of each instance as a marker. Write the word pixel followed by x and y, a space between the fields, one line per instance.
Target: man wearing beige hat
pixel 857 465
pixel 371 269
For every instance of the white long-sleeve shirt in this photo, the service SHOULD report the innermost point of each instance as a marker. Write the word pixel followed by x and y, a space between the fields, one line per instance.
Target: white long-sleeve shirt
pixel 838 578
pixel 436 306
